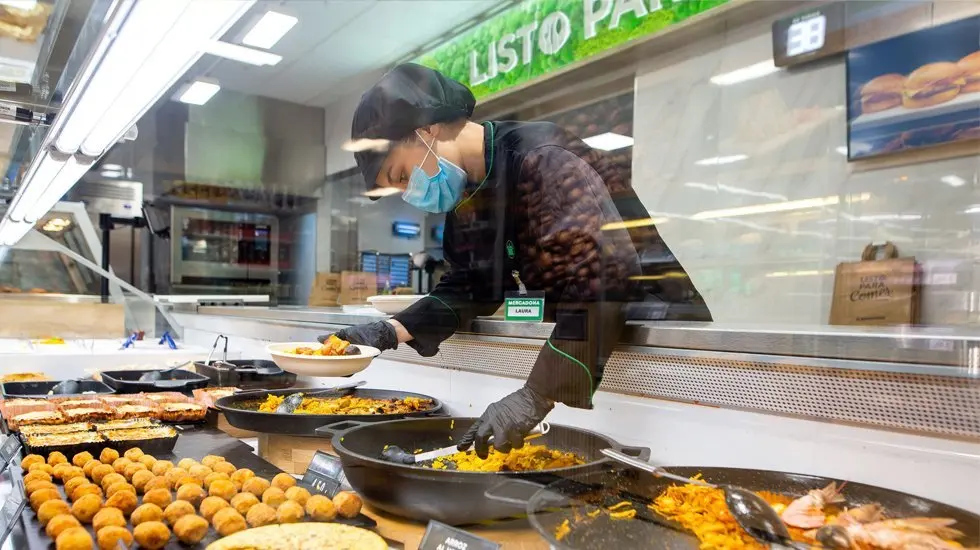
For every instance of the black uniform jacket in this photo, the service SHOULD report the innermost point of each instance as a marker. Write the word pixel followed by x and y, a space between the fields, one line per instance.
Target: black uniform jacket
pixel 550 210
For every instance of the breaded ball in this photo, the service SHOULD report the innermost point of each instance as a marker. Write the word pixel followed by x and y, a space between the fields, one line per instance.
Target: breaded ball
pixel 89 466
pixel 186 463
pixel 152 535
pixel 46 468
pixel 214 476
pixel 289 512
pixel 283 481
pixel 108 517
pixel 191 529
pixel 199 472
pixel 348 504
pixel 160 497
pixel 121 486
pixel 108 456
pixel 227 521
pixel 75 483
pixel 73 538
pixel 273 496
pixel 57 458
pixel 133 468
pixel 119 465
pixel 82 458
pixel 41 496
pixel 186 480
pixel 148 460
pixel 44 476
pixel 177 510
pixel 134 454
pixel 59 469
pixel 71 472
pixel 160 467
pixel 140 479
pixel 86 507
pixel 30 460
pixel 111 479
pixel 110 537
pixel 298 495
pixel 211 460
pixel 243 502
pixel 158 482
pixel 51 509
pixel 224 468
pixel 85 489
pixel 211 505
pixel 124 500
pixel 37 485
pixel 59 523
pixel 191 492
pixel 174 474
pixel 99 472
pixel 223 489
pixel 261 514
pixel 241 475
pixel 146 512
pixel 256 485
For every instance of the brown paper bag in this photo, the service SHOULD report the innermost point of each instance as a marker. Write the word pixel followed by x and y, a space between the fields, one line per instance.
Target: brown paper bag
pixel 876 291
pixel 356 287
pixel 326 290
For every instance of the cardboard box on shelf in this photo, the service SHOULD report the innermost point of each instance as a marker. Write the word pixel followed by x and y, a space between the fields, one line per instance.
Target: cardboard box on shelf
pixel 326 290
pixel 290 453
pixel 356 287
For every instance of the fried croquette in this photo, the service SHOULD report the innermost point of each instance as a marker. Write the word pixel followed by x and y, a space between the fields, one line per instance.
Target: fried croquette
pixel 199 472
pixel 57 458
pixel 186 480
pixel 211 505
pixel 30 460
pixel 124 500
pixel 112 536
pixel 148 460
pixel 82 458
pixel 283 481
pixel 211 460
pixel 50 509
pixel 158 482
pixel 134 454
pixel 108 517
pixel 120 464
pixel 73 538
pixel 192 493
pixel 214 476
pixel 89 466
pixel 348 504
pixel 260 515
pixel 152 535
pixel 242 475
pixel 108 456
pixel 298 495
pixel 43 476
pixel 160 497
pixel 242 502
pixel 41 496
pixel 186 463
pixel 256 485
pixel 174 474
pixel 224 468
pixel 85 508
pixel 132 469
pixel 273 496
pixel 59 523
pixel 75 483
pixel 99 472
pixel 71 472
pixel 140 480
pixel 146 512
pixel 121 486
pixel 160 467
pixel 59 469
pixel 227 521
pixel 111 479
pixel 289 512
pixel 45 467
pixel 37 485
pixel 320 508
pixel 191 529
pixel 177 510
pixel 223 489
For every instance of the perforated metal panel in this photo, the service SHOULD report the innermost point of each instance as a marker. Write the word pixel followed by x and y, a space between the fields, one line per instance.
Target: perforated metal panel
pixel 782 385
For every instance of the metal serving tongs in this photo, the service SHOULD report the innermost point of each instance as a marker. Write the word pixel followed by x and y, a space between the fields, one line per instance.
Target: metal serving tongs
pixel 394 453
pixel 750 510
pixel 294 400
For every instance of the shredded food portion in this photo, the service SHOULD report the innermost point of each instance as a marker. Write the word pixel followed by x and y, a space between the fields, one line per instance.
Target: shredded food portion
pixel 527 458
pixel 331 348
pixel 350 405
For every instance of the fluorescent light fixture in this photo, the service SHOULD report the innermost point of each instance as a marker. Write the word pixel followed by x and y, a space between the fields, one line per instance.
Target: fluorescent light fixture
pixel 887 217
pixel 803 204
pixel 199 92
pixel 745 74
pixel 359 145
pixel 975 209
pixel 953 180
pixel 609 141
pixel 715 161
pixel 49 177
pixel 269 30
pixel 628 224
pixel 19 4
pixel 800 273
pixel 145 47
pixel 379 192
pixel 235 52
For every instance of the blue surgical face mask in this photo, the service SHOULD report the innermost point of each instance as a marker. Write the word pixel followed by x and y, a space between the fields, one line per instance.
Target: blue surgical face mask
pixel 438 193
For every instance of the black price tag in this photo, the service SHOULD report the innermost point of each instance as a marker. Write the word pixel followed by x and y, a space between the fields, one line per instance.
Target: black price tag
pixel 12 509
pixel 439 536
pixel 326 475
pixel 8 449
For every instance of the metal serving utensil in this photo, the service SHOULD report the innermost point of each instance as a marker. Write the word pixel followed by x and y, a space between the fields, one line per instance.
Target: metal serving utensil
pixel 750 510
pixel 294 400
pixel 394 453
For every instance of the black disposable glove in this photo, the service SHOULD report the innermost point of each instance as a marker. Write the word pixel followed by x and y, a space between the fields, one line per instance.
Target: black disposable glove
pixel 379 334
pixel 508 421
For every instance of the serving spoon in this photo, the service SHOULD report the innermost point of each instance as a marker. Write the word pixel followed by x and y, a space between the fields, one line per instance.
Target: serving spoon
pixel 750 510
pixel 294 400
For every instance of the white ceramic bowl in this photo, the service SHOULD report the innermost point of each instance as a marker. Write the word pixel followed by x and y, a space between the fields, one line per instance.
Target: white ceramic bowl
pixel 394 303
pixel 314 365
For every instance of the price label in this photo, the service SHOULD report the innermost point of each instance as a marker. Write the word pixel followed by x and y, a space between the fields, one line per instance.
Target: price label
pixel 326 475
pixel 8 449
pixel 439 536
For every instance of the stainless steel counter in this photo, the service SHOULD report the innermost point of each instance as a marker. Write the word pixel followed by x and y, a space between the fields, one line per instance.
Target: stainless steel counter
pixel 956 348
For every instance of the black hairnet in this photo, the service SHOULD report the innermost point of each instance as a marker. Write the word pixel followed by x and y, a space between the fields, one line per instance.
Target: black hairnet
pixel 406 98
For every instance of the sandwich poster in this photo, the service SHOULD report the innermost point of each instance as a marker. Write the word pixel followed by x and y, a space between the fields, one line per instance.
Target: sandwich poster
pixel 916 90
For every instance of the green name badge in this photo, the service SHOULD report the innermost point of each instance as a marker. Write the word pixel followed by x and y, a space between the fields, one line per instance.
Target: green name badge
pixel 528 308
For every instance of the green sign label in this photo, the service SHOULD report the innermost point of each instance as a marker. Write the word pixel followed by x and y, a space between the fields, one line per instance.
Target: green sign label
pixel 524 309
pixel 539 36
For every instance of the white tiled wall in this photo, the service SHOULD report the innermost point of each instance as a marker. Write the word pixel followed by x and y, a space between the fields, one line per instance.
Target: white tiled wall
pixel 791 127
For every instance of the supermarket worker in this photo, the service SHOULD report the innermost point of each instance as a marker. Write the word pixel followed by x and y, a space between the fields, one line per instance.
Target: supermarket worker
pixel 526 210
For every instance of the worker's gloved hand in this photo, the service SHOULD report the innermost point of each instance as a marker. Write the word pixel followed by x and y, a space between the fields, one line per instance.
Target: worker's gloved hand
pixel 379 334
pixel 508 421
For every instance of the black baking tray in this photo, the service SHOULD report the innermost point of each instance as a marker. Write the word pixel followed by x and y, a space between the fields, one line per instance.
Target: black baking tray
pixel 127 381
pixel 246 377
pixel 40 390
pixel 67 450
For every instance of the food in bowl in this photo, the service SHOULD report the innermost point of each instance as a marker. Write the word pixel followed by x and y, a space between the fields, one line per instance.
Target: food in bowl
pixel 333 347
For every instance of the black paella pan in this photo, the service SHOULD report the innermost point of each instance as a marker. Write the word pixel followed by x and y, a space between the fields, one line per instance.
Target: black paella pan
pixel 241 411
pixel 571 499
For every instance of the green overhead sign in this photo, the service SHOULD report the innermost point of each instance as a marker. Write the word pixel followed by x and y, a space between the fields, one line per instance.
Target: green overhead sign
pixel 537 37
